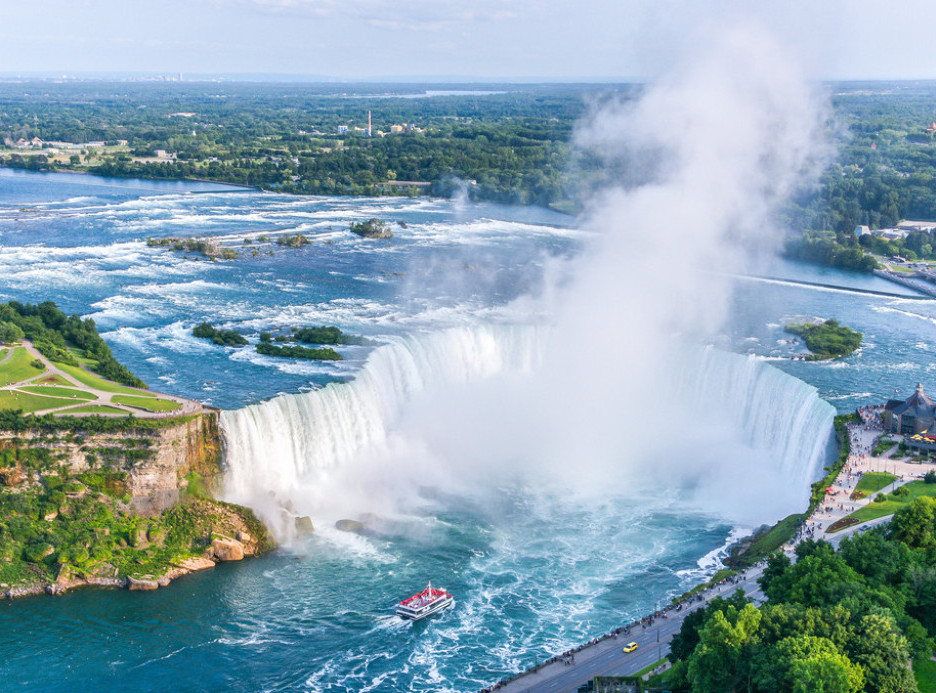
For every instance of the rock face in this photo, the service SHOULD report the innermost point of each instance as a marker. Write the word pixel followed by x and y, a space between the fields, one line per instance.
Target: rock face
pixel 156 461
pixel 152 466
pixel 349 525
pixel 225 549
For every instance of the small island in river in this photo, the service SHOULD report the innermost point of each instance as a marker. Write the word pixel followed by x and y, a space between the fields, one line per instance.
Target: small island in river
pixel 319 336
pixel 826 340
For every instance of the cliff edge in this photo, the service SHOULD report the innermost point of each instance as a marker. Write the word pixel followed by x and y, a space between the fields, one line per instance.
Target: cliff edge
pixel 127 505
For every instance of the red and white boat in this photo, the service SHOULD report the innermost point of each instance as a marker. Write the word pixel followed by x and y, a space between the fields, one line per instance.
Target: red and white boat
pixel 426 603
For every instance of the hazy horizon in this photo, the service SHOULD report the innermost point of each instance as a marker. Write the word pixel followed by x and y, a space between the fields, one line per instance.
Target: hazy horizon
pixel 419 40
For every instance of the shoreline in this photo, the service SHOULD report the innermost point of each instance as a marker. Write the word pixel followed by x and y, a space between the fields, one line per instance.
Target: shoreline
pixel 113 177
pixel 259 188
pixel 132 583
pixel 690 600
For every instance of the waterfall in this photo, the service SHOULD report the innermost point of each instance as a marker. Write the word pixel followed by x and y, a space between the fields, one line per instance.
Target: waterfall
pixel 274 446
pixel 775 411
pixel 283 451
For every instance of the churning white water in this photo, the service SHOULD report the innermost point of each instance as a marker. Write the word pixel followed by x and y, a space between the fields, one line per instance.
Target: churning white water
pixel 720 425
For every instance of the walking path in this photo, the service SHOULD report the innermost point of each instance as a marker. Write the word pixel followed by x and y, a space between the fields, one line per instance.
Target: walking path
pixel 838 503
pixel 604 656
pixel 102 398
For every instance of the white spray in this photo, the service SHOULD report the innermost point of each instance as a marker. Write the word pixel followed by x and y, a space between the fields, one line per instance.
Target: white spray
pixel 607 396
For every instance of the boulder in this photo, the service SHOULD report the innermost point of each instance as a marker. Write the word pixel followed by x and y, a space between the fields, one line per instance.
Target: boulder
pixel 349 525
pixel 141 584
pixel 197 563
pixel 225 549
pixel 244 538
pixel 304 525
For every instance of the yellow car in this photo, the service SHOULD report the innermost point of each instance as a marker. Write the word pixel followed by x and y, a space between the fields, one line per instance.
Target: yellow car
pixel 630 647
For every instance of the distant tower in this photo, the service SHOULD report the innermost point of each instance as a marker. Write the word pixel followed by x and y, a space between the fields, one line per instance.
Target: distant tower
pixel 180 76
pixel 369 131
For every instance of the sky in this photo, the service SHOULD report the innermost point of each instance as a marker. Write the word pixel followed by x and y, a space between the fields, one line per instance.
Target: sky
pixel 468 39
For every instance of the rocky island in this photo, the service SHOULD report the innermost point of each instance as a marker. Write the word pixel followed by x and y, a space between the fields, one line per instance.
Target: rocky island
pixel 372 228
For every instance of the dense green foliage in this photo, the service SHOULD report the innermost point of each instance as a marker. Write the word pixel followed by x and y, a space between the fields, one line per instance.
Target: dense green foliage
pixel 223 337
pixel 845 620
pixel 299 352
pixel 10 332
pixel 326 335
pixel 886 162
pixel 53 333
pixel 80 525
pixel 509 147
pixel 13 420
pixel 827 340
pixel 835 250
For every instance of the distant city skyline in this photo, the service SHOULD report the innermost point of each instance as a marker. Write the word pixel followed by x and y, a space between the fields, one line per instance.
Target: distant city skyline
pixel 426 40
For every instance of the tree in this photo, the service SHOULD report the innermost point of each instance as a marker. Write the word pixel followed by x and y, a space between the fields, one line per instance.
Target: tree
pixel 915 523
pixel 687 638
pixel 720 662
pixel 10 333
pixel 878 646
pixel 826 672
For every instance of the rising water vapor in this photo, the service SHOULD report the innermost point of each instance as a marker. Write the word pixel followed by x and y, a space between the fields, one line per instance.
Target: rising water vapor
pixel 611 394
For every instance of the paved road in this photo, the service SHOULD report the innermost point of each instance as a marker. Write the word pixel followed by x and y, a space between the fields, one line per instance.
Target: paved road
pixel 606 658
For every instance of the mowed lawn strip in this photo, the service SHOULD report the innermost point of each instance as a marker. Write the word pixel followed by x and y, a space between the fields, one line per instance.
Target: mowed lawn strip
pixel 150 404
pixel 18 368
pixel 30 402
pixel 52 391
pixel 874 481
pixel 97 382
pixel 96 409
pixel 874 510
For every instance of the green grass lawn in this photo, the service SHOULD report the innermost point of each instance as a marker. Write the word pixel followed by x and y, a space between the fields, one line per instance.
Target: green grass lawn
pixel 52 391
pixel 882 446
pixel 17 368
pixel 874 481
pixel 148 403
pixel 96 409
pixel 925 672
pixel 31 403
pixel 901 269
pixel 874 510
pixel 97 382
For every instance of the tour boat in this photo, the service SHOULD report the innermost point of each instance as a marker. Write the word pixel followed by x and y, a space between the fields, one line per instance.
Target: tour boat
pixel 426 603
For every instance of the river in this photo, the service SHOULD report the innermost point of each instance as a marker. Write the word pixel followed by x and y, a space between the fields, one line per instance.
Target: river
pixel 535 567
